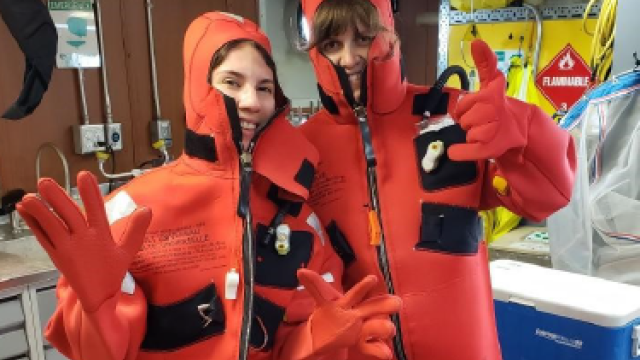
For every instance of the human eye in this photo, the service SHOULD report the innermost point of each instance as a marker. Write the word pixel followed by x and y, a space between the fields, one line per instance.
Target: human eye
pixel 330 46
pixel 231 82
pixel 364 39
pixel 265 89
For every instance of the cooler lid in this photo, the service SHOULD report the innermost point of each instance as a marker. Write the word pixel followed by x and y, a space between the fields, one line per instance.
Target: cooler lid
pixel 580 297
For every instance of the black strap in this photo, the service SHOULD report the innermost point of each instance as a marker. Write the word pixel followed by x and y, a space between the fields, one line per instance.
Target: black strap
pixel 328 102
pixel 200 146
pixel 305 174
pixel 180 324
pixel 273 194
pixel 340 244
pixel 267 318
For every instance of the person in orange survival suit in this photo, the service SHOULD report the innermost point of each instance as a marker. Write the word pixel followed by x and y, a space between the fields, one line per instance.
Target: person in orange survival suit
pixel 408 167
pixel 228 267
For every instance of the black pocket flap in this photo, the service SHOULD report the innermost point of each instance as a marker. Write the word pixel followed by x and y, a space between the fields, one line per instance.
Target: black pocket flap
pixel 448 173
pixel 449 229
pixel 273 269
pixel 267 317
pixel 193 319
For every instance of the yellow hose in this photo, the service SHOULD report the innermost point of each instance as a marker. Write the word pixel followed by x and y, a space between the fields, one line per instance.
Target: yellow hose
pixel 603 35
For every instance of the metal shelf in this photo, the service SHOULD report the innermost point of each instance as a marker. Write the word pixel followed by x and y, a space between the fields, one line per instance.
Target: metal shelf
pixel 448 17
pixel 511 14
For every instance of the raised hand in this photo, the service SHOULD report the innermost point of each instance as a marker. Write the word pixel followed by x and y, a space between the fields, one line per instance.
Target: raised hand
pixel 81 244
pixel 493 124
pixel 350 320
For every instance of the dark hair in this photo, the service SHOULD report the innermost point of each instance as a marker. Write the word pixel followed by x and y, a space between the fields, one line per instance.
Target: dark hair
pixel 221 55
pixel 334 17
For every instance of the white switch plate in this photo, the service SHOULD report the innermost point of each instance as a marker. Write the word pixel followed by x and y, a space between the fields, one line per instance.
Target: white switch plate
pixel 90 138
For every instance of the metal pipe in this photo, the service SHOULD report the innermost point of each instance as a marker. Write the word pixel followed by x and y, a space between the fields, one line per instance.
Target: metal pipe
pixel 132 173
pixel 152 52
pixel 165 154
pixel 536 54
pixel 105 83
pixel 63 159
pixel 83 97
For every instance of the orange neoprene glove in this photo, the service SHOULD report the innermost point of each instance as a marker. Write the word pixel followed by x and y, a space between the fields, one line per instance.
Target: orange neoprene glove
pixel 494 123
pixel 339 322
pixel 81 246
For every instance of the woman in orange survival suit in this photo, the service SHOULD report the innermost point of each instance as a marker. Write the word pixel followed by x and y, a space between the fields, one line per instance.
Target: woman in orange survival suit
pixel 404 170
pixel 215 272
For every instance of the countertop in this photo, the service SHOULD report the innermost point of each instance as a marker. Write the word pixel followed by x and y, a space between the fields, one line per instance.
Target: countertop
pixel 23 261
pixel 526 243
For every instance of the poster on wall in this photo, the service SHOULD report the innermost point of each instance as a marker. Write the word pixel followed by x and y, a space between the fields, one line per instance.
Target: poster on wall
pixel 77 40
pixel 565 79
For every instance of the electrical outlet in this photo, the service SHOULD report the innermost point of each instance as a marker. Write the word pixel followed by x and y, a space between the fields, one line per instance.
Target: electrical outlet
pixel 90 138
pixel 114 133
pixel 161 130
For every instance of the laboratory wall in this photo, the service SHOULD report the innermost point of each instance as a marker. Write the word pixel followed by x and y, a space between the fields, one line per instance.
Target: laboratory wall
pixel 129 78
pixel 127 59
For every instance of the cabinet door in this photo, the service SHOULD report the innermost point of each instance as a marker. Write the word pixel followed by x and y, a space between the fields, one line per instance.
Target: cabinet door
pixel 13 343
pixel 46 298
pixel 47 301
pixel 11 313
pixel 13 339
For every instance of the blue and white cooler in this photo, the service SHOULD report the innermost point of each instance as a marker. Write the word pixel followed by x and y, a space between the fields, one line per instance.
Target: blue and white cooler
pixel 548 314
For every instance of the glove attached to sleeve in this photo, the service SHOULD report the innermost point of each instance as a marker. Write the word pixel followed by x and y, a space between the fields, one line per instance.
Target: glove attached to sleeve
pixel 81 244
pixel 494 123
pixel 339 322
pixel 531 154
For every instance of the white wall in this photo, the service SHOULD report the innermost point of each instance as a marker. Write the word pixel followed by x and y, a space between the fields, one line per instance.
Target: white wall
pixel 295 71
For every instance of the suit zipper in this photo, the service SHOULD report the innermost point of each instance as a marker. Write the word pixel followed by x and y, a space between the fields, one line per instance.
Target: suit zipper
pixel 248 243
pixel 372 182
pixel 248 249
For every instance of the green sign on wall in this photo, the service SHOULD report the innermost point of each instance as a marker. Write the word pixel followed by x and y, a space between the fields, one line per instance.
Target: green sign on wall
pixel 77 41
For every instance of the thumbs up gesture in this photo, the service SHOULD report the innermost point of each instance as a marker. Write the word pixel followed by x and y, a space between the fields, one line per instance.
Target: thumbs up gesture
pixel 494 123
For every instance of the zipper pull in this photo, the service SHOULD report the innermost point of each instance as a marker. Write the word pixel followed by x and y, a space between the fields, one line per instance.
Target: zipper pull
pixel 246 164
pixel 375 233
pixel 246 159
pixel 361 113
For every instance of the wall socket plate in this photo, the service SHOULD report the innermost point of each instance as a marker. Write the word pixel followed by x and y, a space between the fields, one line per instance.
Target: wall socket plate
pixel 161 130
pixel 89 138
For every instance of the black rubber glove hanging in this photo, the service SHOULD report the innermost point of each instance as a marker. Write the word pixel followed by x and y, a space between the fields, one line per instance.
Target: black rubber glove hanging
pixel 31 25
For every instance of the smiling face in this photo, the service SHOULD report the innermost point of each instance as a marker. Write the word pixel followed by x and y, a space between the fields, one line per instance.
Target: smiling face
pixel 343 31
pixel 245 76
pixel 349 50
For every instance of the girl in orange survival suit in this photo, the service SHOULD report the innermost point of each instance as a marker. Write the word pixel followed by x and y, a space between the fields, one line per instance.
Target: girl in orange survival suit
pixel 216 269
pixel 404 170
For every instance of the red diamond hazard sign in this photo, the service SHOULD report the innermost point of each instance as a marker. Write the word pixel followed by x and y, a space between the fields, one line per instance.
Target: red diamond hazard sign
pixel 564 79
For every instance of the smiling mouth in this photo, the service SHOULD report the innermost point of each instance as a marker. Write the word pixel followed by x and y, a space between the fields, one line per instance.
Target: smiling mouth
pixel 247 125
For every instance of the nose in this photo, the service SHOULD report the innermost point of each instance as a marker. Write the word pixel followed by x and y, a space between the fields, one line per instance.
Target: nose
pixel 348 57
pixel 248 100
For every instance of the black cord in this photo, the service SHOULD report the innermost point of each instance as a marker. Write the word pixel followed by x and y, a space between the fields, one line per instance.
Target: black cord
pixel 113 165
pixel 450 71
pixel 275 222
pixel 153 162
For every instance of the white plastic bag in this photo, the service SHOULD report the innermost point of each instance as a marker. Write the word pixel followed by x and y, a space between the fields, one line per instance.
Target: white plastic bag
pixel 598 233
